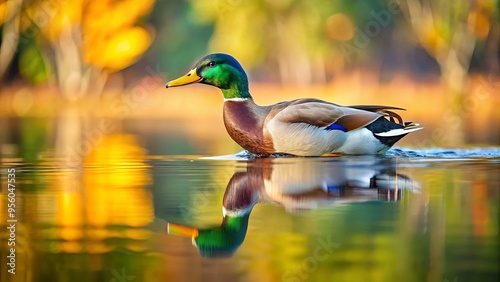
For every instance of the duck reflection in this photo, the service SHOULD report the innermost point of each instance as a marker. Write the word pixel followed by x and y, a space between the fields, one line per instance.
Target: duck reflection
pixel 297 184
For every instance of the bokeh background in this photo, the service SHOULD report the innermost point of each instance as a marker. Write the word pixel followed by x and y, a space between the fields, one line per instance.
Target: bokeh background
pixel 82 62
pixel 86 121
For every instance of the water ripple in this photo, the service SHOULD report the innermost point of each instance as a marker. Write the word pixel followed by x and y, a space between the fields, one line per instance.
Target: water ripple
pixel 448 153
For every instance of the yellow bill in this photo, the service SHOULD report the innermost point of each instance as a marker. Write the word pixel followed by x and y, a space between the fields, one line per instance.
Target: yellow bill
pixel 190 77
pixel 177 229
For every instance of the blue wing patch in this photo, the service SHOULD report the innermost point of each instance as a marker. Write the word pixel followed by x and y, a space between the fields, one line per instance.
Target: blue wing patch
pixel 335 189
pixel 335 126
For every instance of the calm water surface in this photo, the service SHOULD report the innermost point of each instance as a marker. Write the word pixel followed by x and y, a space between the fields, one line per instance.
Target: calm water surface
pixel 425 215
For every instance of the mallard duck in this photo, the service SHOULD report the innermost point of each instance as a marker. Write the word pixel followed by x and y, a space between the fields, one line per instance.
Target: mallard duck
pixel 302 127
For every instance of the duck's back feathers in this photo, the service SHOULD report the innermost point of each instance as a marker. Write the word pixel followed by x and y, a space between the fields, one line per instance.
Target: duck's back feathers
pixel 376 108
pixel 321 114
pixel 311 127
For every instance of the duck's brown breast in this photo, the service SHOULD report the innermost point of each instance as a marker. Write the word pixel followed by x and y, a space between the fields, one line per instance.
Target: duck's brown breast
pixel 244 122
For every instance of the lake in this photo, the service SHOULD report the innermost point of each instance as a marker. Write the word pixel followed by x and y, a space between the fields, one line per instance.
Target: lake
pixel 125 214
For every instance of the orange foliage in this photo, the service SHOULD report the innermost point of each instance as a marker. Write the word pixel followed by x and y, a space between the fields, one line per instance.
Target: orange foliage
pixel 107 29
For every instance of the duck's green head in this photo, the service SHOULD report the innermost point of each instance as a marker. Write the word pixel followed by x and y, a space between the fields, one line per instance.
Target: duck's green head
pixel 220 70
pixel 219 241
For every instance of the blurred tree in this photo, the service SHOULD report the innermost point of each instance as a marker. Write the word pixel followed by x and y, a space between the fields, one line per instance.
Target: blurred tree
pixel 287 33
pixel 180 40
pixel 303 41
pixel 449 32
pixel 83 40
pixel 9 21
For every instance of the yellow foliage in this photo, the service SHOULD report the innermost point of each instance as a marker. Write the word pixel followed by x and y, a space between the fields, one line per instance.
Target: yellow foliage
pixel 432 40
pixel 340 27
pixel 116 51
pixel 479 23
pixel 53 16
pixel 109 35
pixel 108 16
pixel 3 12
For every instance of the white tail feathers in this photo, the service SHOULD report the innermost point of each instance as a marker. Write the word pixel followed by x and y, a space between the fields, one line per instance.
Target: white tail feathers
pixel 400 131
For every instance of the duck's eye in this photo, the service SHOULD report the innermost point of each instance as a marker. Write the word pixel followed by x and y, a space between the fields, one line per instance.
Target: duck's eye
pixel 211 64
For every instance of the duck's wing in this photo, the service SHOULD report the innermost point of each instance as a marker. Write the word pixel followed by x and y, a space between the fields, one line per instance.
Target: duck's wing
pixel 385 110
pixel 322 114
pixel 376 108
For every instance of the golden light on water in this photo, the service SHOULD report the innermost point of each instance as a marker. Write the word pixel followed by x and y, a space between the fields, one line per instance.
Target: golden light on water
pixel 108 199
pixel 70 215
pixel 118 165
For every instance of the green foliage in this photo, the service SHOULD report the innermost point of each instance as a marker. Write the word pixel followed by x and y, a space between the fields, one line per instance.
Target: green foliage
pixel 34 138
pixel 33 65
pixel 291 38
